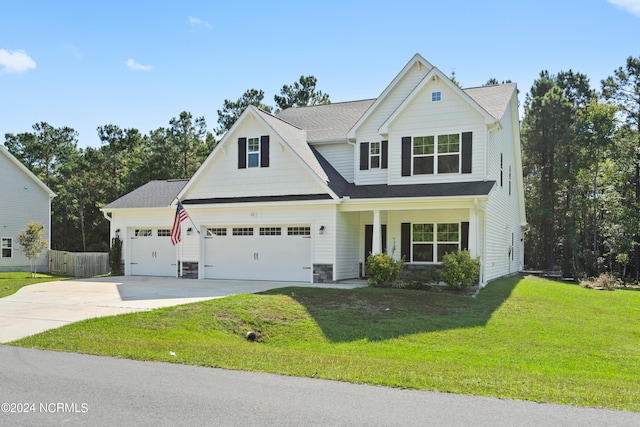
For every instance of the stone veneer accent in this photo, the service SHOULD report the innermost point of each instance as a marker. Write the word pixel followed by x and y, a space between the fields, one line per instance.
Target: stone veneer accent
pixel 413 268
pixel 189 270
pixel 322 273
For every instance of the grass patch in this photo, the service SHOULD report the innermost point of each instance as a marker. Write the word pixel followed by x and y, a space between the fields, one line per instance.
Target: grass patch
pixel 11 282
pixel 528 338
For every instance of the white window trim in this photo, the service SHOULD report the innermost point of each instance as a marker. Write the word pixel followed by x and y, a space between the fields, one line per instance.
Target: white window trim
pixel 249 152
pixel 378 155
pixel 436 154
pixel 3 247
pixel 434 242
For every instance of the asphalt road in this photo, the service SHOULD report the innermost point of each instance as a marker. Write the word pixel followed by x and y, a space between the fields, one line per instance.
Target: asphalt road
pixel 50 388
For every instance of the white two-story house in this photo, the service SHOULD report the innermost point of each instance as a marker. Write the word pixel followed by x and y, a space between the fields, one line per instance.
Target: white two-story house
pixel 27 199
pixel 423 169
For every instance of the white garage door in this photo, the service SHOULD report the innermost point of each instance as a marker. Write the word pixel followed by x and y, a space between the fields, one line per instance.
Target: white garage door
pixel 152 253
pixel 258 253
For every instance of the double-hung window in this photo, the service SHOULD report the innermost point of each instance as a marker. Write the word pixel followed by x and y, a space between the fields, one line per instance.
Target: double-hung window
pixel 7 247
pixel 423 155
pixel 253 152
pixel 430 242
pixel 374 155
pixel 436 154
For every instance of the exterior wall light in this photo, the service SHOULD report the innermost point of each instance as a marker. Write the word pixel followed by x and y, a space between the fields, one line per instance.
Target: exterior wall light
pixel 322 229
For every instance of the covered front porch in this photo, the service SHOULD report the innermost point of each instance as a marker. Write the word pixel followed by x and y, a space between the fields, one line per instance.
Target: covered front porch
pixel 421 230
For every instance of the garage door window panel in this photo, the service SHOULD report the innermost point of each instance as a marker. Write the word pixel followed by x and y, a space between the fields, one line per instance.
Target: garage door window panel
pixel 242 231
pixel 270 231
pixel 216 232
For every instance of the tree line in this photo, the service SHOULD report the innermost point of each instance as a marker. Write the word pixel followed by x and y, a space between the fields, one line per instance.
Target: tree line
pixel 581 164
pixel 581 161
pixel 86 179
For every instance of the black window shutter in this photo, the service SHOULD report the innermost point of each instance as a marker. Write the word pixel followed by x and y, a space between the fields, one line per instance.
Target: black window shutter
pixel 464 236
pixel 406 156
pixel 242 153
pixel 405 241
pixel 264 151
pixel 467 148
pixel 364 156
pixel 385 154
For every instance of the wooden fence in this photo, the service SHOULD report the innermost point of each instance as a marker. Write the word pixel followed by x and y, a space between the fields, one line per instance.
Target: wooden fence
pixel 78 264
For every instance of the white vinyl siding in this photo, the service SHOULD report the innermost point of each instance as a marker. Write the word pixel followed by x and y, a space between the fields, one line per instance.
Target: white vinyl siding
pixel 368 131
pixel 286 174
pixel 453 115
pixel 341 157
pixel 347 245
pixel 30 203
pixel 502 213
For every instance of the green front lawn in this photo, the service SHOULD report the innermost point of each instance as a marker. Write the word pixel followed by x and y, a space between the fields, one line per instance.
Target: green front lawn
pixel 526 338
pixel 10 283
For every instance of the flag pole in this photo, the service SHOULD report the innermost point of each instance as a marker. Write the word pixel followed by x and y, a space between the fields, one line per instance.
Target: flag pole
pixel 189 216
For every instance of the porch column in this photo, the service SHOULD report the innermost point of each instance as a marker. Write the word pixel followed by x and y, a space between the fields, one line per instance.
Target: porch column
pixel 473 232
pixel 376 244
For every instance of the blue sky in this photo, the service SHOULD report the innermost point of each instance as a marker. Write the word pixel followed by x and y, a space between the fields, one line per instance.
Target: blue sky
pixel 137 64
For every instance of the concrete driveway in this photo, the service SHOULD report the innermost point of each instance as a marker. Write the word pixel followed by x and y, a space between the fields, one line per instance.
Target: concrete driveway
pixel 37 308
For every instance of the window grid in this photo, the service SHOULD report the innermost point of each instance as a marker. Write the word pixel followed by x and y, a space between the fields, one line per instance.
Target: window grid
pixel 216 232
pixel 299 231
pixel 164 232
pixel 7 247
pixel 444 148
pixel 374 155
pixel 270 231
pixel 430 242
pixel 436 96
pixel 242 231
pixel 253 152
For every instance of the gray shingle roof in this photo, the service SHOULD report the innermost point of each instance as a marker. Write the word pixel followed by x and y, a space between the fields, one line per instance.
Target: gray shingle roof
pixel 331 122
pixel 494 99
pixel 154 194
pixel 297 140
pixel 326 122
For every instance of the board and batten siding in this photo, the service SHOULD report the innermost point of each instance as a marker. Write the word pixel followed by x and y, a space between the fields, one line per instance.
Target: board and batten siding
pixel 422 117
pixel 26 201
pixel 502 212
pixel 285 175
pixel 340 156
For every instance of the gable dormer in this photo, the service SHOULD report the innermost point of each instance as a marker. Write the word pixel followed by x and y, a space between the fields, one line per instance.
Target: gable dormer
pixel 260 156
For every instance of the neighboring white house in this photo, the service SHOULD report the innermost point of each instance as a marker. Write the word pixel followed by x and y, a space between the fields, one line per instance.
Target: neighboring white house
pixel 424 169
pixel 27 199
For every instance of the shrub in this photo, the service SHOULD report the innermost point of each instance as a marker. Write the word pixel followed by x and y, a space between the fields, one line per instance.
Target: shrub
pixel 115 256
pixel 605 281
pixel 382 269
pixel 459 271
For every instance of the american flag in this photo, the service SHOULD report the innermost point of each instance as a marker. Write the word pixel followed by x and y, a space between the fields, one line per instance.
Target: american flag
pixel 181 215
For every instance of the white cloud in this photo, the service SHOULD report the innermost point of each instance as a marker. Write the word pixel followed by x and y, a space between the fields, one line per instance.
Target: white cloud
pixel 15 62
pixel 138 67
pixel 632 6
pixel 197 21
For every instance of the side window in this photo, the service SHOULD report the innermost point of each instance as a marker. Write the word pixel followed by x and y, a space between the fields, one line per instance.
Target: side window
pixel 6 246
pixel 374 155
pixel 253 152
